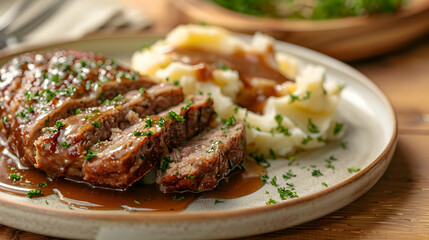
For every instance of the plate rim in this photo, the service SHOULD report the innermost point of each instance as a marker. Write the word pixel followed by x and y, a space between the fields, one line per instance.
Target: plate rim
pixel 213 214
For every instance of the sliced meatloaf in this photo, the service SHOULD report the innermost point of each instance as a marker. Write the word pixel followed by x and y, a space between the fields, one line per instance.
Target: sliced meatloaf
pixel 199 164
pixel 131 154
pixel 37 89
pixel 62 148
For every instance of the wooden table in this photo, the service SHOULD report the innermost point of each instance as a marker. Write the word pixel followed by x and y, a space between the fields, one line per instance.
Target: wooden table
pixel 397 207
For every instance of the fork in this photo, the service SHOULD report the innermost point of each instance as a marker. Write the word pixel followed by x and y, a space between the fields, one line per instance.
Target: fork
pixel 8 37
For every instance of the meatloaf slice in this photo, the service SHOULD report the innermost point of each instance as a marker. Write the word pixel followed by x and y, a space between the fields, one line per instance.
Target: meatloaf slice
pixel 200 163
pixel 61 149
pixel 37 89
pixel 130 155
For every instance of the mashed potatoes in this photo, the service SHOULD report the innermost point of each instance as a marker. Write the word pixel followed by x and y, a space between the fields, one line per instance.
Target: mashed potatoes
pixel 299 114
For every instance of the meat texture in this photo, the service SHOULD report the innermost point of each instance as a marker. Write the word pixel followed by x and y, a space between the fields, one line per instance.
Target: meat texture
pixel 62 148
pixel 131 154
pixel 200 163
pixel 80 115
pixel 37 89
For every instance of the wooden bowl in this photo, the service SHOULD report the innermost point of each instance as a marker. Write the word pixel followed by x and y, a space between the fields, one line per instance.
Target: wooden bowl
pixel 346 39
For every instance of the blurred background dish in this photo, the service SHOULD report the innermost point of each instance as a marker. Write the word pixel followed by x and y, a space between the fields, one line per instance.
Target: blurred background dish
pixel 345 38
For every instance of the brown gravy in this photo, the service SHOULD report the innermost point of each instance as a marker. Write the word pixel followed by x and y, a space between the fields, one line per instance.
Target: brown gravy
pixel 139 197
pixel 248 66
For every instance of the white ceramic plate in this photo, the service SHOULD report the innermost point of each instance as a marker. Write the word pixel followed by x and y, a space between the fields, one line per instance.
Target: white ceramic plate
pixel 371 139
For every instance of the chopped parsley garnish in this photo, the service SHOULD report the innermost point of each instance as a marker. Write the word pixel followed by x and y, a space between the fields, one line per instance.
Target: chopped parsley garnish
pixel 34 192
pixel 44 184
pixel 50 131
pixel 161 122
pixel 28 95
pixel 272 154
pixel 77 111
pixel 118 98
pixel 280 128
pixel 316 173
pixel 96 123
pixel 90 155
pixel 307 96
pixel 148 122
pixel 88 85
pixel 338 128
pixel 235 108
pixel 30 109
pixel 284 193
pixel 22 114
pixel 65 144
pixel 14 177
pixel 260 159
pixel 46 94
pixel 178 198
pixel 306 140
pixel 271 201
pixel 324 184
pixel 221 65
pixel 320 139
pixel 228 122
pixel 188 104
pixel 353 169
pixel 174 116
pixel 292 160
pixel 59 125
pixel 130 76
pixel 216 201
pixel 329 162
pixel 137 202
pixel 274 181
pixel 288 175
pixel 165 163
pixel 142 90
pixel 344 145
pixel 264 178
pixel 294 98
pixel 176 82
pixel 189 177
pixel 213 146
pixel 55 78
pixel 145 46
pixel 311 127
pixel 140 134
pixel 289 184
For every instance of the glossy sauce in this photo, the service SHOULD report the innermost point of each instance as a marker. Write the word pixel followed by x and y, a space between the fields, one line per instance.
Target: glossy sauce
pixel 248 65
pixel 137 198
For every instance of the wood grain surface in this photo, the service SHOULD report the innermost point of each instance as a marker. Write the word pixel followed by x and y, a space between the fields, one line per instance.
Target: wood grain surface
pixel 397 207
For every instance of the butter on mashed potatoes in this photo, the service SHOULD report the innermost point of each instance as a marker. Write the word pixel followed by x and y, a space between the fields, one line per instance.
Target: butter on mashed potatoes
pixel 296 110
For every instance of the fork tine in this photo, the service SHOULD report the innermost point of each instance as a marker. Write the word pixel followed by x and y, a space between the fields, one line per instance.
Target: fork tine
pixel 37 20
pixel 13 13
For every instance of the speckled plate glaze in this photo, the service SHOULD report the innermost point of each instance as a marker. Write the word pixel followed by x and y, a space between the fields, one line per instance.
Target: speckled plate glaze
pixel 371 138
